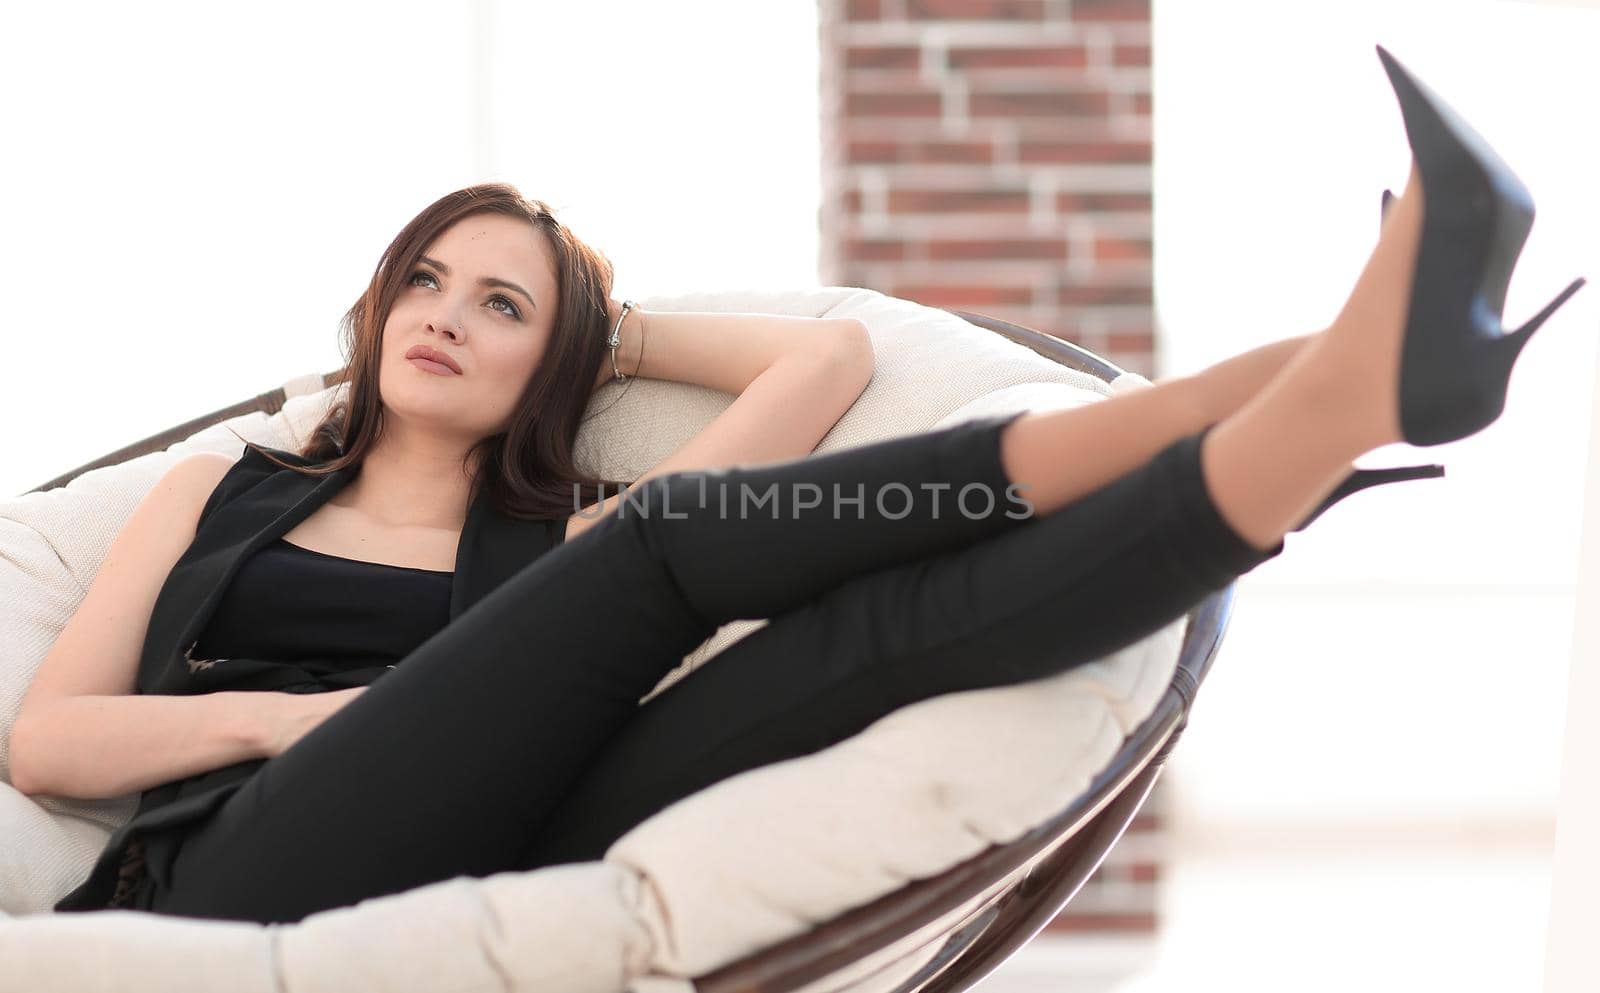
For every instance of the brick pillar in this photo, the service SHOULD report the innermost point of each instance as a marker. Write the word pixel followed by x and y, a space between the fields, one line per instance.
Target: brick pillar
pixel 994 156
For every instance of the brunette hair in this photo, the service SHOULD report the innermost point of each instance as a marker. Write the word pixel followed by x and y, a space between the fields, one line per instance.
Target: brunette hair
pixel 528 467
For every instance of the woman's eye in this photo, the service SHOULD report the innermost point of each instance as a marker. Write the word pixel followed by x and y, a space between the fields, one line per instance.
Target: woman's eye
pixel 511 308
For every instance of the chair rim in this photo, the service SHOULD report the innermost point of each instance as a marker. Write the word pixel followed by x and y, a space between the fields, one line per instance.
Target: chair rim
pixel 1047 865
pixel 268 403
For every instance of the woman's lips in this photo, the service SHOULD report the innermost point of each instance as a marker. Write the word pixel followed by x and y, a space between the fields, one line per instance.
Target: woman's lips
pixel 437 368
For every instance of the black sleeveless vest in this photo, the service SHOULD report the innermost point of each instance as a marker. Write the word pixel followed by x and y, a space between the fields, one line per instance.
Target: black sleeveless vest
pixel 256 503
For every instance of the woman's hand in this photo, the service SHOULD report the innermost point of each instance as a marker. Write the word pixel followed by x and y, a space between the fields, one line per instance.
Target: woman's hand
pixel 303 711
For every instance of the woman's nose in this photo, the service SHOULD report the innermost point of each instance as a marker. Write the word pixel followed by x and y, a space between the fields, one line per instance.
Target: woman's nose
pixel 445 321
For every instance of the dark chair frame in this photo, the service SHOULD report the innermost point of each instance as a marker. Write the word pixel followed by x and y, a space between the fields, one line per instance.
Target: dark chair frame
pixel 1043 869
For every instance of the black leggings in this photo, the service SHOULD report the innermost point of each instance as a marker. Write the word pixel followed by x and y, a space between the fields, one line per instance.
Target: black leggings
pixel 514 739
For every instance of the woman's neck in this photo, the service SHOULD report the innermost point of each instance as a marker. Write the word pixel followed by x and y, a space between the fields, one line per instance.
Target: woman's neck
pixel 408 486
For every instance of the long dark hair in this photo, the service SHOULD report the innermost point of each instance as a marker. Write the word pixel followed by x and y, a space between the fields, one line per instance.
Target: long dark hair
pixel 529 467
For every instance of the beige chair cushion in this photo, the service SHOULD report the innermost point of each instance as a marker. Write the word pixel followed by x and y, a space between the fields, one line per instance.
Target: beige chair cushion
pixel 798 842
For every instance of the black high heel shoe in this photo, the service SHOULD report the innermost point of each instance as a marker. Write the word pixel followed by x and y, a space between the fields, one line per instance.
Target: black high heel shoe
pixel 1360 479
pixel 1456 357
pixel 1363 478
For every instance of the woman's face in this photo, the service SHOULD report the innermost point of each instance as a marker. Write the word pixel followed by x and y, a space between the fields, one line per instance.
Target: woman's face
pixel 492 331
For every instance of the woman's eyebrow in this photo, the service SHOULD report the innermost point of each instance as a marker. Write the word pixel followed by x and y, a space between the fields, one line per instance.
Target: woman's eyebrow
pixel 485 281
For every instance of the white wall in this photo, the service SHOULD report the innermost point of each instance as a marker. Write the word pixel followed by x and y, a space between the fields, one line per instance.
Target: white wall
pixel 194 193
pixel 1405 660
pixel 1573 963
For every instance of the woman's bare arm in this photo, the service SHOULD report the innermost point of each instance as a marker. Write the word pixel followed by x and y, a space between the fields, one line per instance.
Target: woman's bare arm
pixel 789 398
pixel 725 351
pixel 81 731
pixel 104 746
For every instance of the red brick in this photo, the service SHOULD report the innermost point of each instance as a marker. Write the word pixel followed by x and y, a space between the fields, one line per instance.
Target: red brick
pixel 1067 921
pixel 892 104
pixel 975 10
pixel 1130 341
pixel 1030 57
pixel 944 250
pixel 1100 203
pixel 876 250
pixel 1041 103
pixel 1112 248
pixel 956 201
pixel 882 57
pixel 863 10
pixel 1093 295
pixel 859 152
pixel 1142 102
pixel 1130 55
pixel 1085 151
pixel 1111 10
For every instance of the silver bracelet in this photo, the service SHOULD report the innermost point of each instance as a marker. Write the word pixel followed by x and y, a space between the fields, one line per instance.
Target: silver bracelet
pixel 616 338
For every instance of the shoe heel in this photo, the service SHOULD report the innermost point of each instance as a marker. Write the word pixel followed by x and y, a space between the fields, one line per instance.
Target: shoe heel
pixel 1360 479
pixel 1493 370
pixel 1514 341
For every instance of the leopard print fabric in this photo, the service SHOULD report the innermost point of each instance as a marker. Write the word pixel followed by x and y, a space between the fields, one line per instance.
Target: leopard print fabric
pixel 129 875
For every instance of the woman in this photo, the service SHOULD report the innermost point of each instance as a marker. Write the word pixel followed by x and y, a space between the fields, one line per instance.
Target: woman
pixel 508 735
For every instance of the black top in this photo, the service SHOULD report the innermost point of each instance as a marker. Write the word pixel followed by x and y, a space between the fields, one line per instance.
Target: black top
pixel 325 614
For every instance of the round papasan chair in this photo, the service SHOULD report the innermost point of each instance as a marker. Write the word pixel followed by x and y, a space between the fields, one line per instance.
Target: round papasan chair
pixel 917 855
